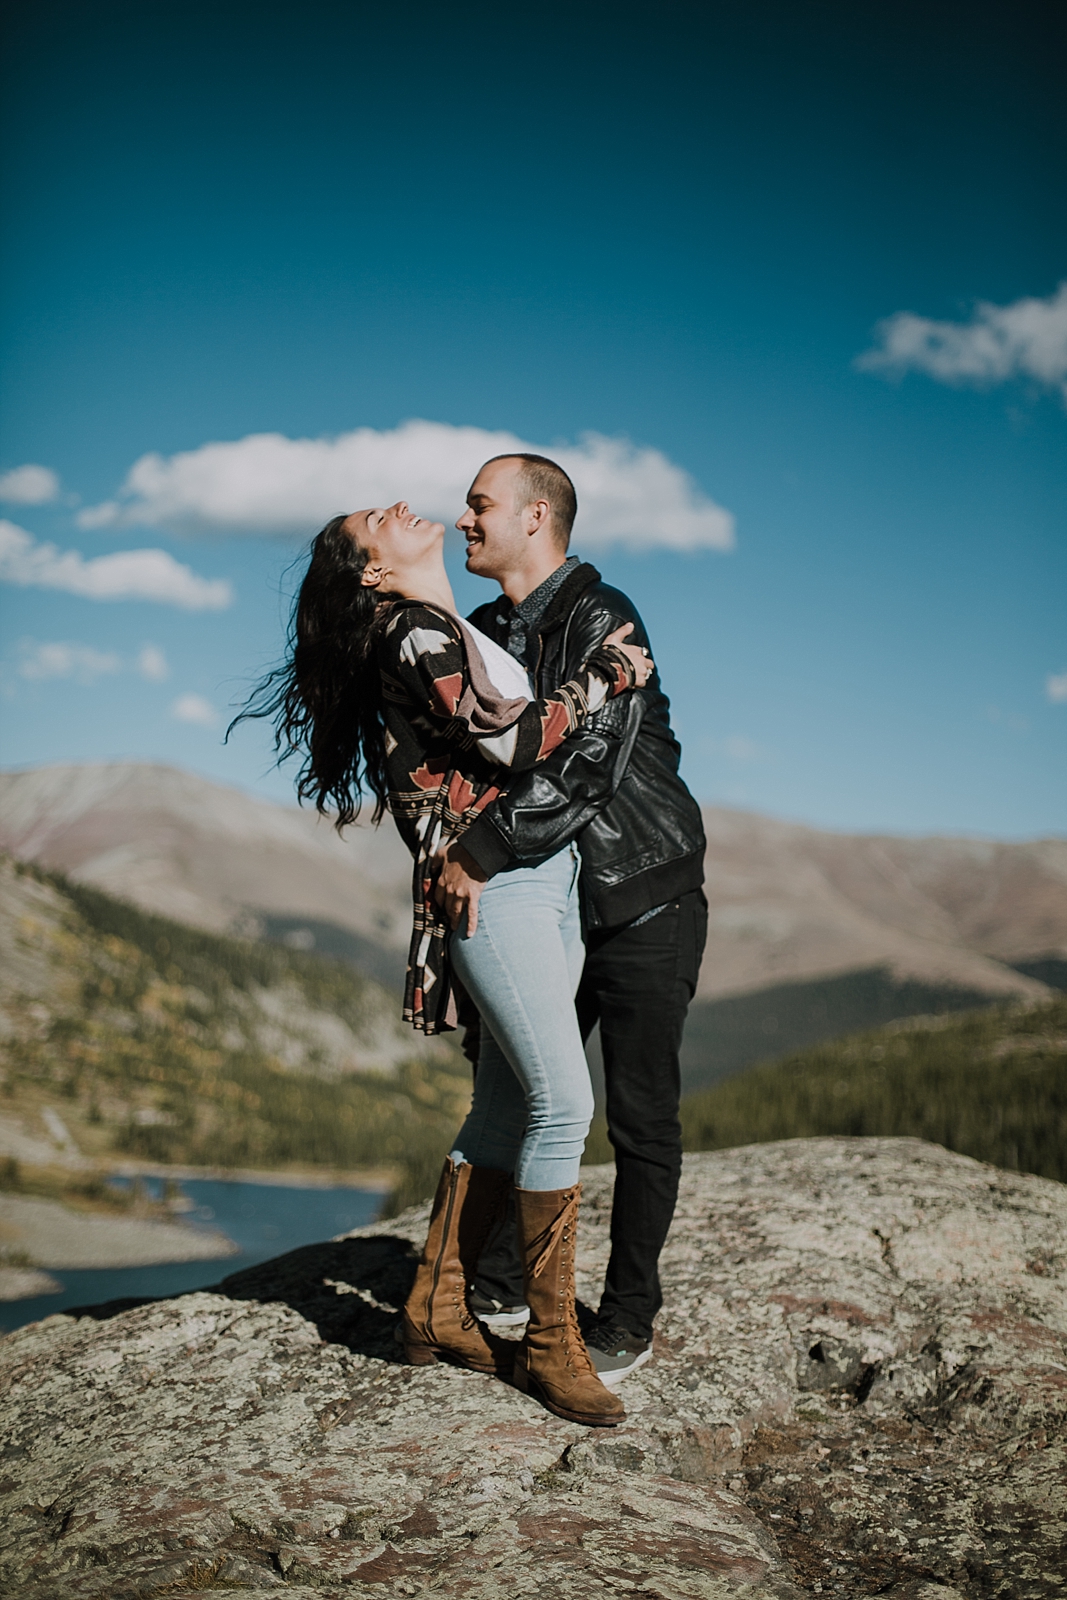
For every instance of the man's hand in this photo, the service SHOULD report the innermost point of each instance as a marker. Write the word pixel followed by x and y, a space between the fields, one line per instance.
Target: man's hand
pixel 640 660
pixel 459 886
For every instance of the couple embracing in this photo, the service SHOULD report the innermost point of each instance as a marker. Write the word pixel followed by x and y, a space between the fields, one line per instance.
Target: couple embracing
pixel 528 762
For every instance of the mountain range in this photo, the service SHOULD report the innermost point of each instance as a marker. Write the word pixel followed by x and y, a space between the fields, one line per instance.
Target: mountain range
pixel 810 932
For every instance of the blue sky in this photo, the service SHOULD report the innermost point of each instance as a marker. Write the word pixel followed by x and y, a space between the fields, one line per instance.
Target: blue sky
pixel 675 225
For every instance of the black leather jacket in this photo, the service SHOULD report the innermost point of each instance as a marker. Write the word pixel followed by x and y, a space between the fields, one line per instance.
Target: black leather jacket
pixel 613 785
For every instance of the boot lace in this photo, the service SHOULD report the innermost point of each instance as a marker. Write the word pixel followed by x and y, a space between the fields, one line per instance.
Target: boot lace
pixel 561 1231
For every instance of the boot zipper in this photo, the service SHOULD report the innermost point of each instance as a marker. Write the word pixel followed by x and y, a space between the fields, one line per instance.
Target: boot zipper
pixel 452 1182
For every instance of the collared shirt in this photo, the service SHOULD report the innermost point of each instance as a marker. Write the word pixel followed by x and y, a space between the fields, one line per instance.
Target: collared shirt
pixel 521 620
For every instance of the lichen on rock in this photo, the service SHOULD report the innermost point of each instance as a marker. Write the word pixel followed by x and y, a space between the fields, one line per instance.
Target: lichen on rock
pixel 859 1387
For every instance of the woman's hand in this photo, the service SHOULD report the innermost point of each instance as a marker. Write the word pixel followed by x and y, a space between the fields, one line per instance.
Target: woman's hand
pixel 459 886
pixel 643 664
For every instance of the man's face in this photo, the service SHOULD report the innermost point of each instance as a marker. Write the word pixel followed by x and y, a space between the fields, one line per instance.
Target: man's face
pixel 497 541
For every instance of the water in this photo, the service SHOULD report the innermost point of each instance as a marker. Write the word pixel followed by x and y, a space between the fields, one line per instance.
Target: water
pixel 263 1220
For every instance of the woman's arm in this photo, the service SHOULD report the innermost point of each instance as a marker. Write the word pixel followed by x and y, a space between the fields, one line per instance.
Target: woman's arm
pixel 424 655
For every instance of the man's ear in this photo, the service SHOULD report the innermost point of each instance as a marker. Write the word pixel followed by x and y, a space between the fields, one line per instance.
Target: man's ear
pixel 538 515
pixel 372 577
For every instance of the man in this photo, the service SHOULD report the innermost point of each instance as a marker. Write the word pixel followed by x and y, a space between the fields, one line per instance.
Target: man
pixel 614 788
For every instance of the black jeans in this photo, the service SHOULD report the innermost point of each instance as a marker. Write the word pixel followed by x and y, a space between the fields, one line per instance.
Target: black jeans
pixel 638 982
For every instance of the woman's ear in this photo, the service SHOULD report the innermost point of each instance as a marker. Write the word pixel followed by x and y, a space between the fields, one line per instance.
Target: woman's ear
pixel 372 577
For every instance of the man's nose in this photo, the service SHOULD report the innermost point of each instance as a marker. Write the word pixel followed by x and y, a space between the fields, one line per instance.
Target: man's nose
pixel 466 521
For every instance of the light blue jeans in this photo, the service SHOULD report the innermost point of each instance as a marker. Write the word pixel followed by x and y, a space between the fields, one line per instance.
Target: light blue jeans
pixel 532 1100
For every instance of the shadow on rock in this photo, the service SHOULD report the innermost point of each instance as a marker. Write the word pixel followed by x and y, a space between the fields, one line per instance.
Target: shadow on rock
pixel 350 1289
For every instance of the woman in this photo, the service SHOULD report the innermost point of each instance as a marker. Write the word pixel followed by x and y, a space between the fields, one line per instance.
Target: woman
pixel 388 690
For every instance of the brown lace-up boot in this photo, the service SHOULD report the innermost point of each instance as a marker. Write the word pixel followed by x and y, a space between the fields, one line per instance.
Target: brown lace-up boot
pixel 552 1363
pixel 437 1324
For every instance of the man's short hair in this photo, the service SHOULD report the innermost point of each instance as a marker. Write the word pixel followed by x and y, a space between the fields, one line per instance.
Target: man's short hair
pixel 541 479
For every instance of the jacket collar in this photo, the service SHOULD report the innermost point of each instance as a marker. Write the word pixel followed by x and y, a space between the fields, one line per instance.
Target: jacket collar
pixel 563 601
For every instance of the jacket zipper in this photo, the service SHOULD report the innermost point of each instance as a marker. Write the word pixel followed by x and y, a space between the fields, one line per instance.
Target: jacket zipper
pixel 562 653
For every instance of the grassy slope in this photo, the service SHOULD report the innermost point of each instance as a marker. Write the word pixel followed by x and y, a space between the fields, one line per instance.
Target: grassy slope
pixel 991 1084
pixel 150 1021
pixel 147 1052
pixel 726 1036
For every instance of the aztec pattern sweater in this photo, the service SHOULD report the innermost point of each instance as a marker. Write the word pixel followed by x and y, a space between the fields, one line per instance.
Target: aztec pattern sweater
pixel 451 741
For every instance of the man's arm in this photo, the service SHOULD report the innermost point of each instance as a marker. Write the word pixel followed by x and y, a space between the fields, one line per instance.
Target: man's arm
pixel 544 810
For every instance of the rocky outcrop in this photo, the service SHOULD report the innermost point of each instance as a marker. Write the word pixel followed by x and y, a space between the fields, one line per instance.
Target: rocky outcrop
pixel 860 1387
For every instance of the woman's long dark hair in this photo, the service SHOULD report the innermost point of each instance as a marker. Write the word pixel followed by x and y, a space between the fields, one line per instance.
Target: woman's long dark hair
pixel 325 699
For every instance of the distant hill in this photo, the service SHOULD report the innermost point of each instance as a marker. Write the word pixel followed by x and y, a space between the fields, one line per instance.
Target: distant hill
pixel 213 857
pixel 789 902
pixel 724 1036
pixel 990 1084
pixel 811 933
pixel 127 1034
pixel 124 1034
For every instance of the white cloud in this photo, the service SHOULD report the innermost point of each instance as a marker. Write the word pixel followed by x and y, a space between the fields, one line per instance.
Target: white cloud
pixel 101 516
pixel 125 575
pixel 65 660
pixel 1056 687
pixel 267 483
pixel 194 708
pixel 85 664
pixel 1025 339
pixel 152 664
pixel 29 485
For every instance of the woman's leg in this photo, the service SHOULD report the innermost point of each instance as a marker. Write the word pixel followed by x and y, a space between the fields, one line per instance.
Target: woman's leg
pixel 523 977
pixel 522 968
pixel 532 1098
pixel 437 1322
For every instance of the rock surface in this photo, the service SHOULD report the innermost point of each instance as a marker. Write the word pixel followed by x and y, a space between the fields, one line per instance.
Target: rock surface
pixel 860 1387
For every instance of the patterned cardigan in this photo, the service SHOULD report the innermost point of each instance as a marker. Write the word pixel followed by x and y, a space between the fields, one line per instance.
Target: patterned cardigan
pixel 451 739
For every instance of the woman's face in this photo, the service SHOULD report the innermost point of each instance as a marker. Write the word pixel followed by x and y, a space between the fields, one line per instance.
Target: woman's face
pixel 397 542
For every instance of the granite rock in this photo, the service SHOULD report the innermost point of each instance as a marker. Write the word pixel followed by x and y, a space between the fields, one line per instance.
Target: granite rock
pixel 860 1387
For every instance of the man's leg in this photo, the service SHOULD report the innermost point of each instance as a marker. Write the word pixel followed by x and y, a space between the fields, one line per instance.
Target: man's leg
pixel 639 982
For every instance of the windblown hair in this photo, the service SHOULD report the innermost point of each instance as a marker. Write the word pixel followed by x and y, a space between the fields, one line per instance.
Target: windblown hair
pixel 325 699
pixel 542 479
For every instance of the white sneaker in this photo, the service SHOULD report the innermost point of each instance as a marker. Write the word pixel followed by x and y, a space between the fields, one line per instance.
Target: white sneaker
pixel 493 1313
